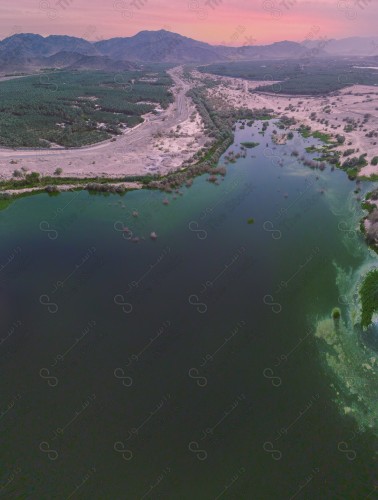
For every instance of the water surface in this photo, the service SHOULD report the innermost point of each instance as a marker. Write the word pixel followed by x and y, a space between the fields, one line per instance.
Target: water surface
pixel 185 367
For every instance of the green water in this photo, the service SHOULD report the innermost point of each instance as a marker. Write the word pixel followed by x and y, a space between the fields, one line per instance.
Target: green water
pixel 186 367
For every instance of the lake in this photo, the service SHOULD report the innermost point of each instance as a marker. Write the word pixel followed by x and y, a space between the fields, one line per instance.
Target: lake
pixel 190 366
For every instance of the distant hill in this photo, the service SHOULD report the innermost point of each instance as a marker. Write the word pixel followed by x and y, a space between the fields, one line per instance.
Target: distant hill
pixel 28 52
pixel 73 60
pixel 18 59
pixel 277 50
pixel 103 63
pixel 158 46
pixel 164 46
pixel 353 46
pixel 40 46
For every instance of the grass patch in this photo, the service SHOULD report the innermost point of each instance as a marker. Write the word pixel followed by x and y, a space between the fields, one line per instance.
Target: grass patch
pixel 326 138
pixel 5 202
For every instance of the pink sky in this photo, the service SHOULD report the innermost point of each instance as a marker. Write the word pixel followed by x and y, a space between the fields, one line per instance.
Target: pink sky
pixel 234 22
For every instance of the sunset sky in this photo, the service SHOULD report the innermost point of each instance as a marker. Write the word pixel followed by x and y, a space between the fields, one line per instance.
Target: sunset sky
pixel 232 22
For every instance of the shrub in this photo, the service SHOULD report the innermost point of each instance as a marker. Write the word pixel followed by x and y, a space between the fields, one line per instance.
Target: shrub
pixel 32 178
pixel 336 313
pixel 52 189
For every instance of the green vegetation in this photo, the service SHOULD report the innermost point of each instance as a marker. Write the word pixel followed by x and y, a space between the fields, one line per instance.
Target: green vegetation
pixel 340 139
pixel 75 108
pixel 250 145
pixel 306 77
pixel 371 230
pixel 371 178
pixel 316 149
pixel 355 163
pixel 369 297
pixel 5 202
pixel 326 138
pixel 305 131
pixel 336 313
pixel 251 220
pixel 349 152
pixel 34 180
pixel 352 173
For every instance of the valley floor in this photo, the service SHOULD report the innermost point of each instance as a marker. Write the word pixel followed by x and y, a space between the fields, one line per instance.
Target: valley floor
pixel 164 142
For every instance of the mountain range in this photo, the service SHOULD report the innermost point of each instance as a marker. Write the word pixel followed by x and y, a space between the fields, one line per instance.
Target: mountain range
pixel 27 52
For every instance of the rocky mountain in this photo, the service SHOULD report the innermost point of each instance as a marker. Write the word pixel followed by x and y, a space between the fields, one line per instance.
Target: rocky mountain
pixel 164 46
pixel 26 52
pixel 103 63
pixel 29 52
pixel 146 46
pixel 278 50
pixel 18 60
pixel 37 45
pixel 158 46
pixel 75 61
pixel 352 46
